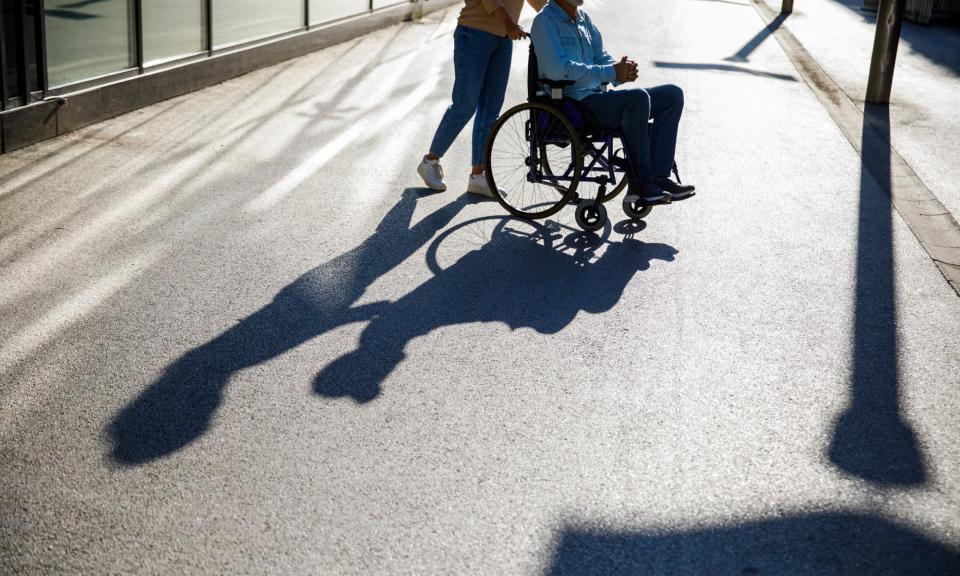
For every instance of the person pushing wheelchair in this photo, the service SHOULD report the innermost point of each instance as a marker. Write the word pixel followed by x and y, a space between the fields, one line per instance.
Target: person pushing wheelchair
pixel 569 47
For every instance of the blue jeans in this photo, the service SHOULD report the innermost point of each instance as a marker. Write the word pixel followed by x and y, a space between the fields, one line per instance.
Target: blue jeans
pixel 481 62
pixel 650 148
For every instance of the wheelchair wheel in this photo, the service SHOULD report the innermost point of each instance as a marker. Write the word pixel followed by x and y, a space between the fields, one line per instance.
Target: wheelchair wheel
pixel 589 217
pixel 533 160
pixel 635 210
pixel 621 185
pixel 587 189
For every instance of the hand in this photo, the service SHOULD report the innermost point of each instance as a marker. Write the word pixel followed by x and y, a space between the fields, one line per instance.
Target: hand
pixel 516 32
pixel 626 70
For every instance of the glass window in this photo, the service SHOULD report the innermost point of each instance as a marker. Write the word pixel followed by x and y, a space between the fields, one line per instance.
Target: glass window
pixel 237 21
pixel 172 28
pixel 87 39
pixel 327 10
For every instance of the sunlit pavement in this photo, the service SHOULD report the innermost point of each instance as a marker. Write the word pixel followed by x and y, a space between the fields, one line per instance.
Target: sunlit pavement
pixel 238 337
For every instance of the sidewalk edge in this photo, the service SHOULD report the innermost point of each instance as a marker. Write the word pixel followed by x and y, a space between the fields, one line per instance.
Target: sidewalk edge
pixel 930 222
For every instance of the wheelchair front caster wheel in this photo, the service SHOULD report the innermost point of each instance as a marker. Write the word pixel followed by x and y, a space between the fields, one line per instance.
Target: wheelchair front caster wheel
pixel 589 217
pixel 635 210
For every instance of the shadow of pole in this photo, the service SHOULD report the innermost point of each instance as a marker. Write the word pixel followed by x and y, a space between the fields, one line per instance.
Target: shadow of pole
pixel 839 543
pixel 871 439
pixel 741 56
pixel 744 53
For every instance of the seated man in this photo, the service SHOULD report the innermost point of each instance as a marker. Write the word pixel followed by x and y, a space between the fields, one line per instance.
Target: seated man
pixel 569 47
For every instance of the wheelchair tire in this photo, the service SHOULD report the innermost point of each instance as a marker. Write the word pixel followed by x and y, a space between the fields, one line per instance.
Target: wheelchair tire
pixel 636 211
pixel 589 217
pixel 519 181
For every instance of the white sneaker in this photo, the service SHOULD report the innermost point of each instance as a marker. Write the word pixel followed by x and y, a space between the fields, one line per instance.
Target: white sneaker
pixel 478 185
pixel 432 174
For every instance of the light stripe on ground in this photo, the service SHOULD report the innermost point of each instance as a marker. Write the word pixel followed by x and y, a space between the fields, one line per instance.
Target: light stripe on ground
pixel 362 127
pixel 30 338
pixel 928 219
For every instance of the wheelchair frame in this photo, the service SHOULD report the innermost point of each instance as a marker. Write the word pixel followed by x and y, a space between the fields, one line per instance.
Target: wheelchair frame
pixel 594 155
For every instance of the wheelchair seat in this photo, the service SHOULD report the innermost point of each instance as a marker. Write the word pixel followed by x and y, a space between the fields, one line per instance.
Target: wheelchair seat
pixel 579 115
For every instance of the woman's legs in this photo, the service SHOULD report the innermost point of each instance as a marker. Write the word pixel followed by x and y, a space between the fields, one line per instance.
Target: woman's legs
pixel 471 54
pixel 491 99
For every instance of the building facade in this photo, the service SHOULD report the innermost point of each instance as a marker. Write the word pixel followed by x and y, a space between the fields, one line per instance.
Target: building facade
pixel 65 64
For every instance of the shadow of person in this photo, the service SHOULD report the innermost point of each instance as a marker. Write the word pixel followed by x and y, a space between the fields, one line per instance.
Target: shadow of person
pixel 177 408
pixel 510 279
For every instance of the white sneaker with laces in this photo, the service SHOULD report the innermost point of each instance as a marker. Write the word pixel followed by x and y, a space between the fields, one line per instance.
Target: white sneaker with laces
pixel 432 173
pixel 478 185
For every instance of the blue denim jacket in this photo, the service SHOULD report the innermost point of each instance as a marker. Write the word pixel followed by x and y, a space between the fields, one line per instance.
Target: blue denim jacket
pixel 568 50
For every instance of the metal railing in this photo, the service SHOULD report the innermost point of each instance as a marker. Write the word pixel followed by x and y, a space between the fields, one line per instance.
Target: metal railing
pixel 23 76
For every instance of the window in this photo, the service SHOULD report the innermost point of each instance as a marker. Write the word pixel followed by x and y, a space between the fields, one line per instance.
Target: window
pixel 385 3
pixel 328 10
pixel 172 28
pixel 87 39
pixel 236 21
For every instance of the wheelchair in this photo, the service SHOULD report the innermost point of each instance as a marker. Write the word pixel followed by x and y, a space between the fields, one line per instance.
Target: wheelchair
pixel 540 153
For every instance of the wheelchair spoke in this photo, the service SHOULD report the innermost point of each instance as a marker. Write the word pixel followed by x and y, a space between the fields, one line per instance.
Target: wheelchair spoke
pixel 533 157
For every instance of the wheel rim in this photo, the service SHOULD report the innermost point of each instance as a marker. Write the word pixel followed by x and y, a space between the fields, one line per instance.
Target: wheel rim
pixel 590 217
pixel 635 210
pixel 537 177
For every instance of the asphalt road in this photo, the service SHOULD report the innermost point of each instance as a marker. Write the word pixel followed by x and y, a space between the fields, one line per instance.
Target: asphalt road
pixel 238 337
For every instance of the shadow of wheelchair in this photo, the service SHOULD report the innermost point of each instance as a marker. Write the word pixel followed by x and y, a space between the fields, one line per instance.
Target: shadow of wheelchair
pixel 495 269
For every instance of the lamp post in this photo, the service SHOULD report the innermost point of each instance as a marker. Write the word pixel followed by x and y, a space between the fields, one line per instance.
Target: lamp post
pixel 885 42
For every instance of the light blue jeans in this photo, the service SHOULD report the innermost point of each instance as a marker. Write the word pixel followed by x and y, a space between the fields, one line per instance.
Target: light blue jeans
pixel 481 63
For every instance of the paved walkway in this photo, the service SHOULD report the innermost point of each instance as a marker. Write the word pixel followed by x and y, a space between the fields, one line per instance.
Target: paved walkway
pixel 923 119
pixel 237 337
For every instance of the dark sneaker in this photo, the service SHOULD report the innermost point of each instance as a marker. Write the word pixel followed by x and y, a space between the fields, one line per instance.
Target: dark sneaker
pixel 676 191
pixel 647 194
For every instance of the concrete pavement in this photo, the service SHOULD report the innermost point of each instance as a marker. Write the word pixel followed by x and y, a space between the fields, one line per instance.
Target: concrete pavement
pixel 238 337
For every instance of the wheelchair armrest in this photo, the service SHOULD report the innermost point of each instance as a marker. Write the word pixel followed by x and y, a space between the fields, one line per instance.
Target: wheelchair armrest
pixel 557 83
pixel 556 87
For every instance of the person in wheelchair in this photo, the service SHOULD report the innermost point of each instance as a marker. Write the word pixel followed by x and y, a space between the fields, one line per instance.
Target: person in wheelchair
pixel 569 47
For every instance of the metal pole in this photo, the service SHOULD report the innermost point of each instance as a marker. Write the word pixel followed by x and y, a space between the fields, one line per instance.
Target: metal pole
pixel 138 32
pixel 42 46
pixel 22 66
pixel 885 42
pixel 786 7
pixel 208 24
pixel 3 63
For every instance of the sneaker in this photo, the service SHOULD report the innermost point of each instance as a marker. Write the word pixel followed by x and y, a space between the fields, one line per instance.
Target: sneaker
pixel 676 191
pixel 648 194
pixel 478 185
pixel 432 174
